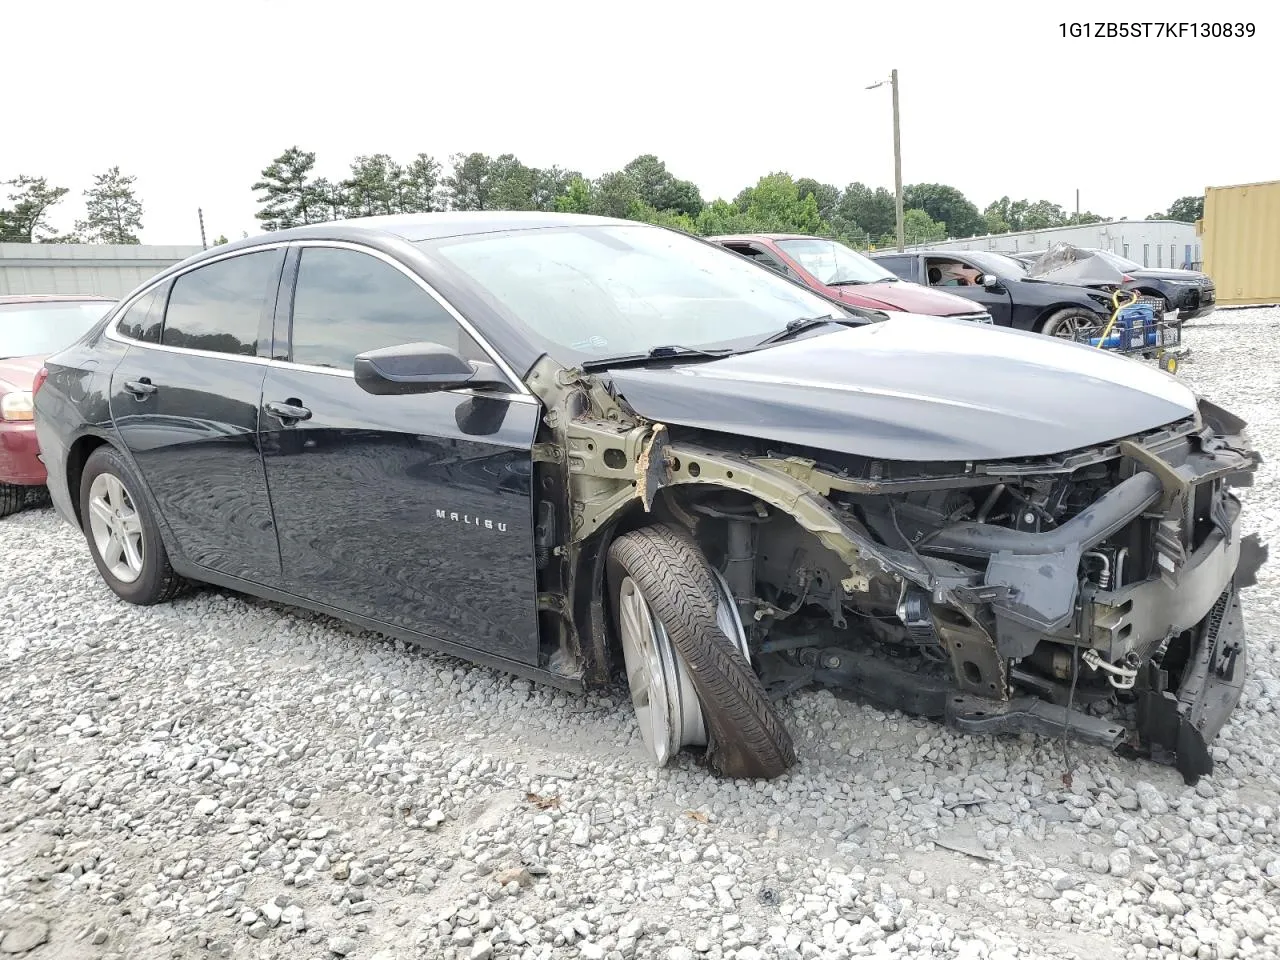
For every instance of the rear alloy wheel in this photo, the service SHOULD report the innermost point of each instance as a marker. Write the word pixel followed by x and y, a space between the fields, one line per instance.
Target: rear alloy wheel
pixel 686 658
pixel 12 498
pixel 122 532
pixel 1073 323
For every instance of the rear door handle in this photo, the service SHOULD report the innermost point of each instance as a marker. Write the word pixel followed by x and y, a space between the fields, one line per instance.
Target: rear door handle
pixel 291 411
pixel 140 388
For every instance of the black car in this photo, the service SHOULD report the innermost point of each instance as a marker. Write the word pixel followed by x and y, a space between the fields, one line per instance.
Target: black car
pixel 575 447
pixel 1001 285
pixel 1188 294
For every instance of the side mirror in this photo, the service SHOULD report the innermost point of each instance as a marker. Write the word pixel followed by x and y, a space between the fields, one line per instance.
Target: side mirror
pixel 990 281
pixel 420 368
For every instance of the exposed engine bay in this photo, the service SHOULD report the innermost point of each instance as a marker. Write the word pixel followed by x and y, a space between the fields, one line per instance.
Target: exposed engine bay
pixel 1094 593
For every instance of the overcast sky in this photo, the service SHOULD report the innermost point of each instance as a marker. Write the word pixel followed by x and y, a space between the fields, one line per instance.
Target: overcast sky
pixel 195 99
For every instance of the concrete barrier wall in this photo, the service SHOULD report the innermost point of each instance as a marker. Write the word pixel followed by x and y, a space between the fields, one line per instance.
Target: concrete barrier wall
pixel 82 268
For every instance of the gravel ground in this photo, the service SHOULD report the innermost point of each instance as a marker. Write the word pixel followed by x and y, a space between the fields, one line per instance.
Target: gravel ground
pixel 222 777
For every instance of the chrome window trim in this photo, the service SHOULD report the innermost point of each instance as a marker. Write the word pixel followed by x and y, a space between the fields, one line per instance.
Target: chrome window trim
pixel 520 388
pixel 113 332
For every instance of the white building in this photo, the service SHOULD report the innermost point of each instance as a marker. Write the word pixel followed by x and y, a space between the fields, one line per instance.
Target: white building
pixel 100 269
pixel 1152 243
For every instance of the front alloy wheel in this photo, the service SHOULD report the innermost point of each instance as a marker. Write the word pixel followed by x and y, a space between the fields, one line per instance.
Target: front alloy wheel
pixel 687 659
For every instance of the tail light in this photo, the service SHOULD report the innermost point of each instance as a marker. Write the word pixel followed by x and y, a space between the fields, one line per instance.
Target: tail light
pixel 1128 279
pixel 41 376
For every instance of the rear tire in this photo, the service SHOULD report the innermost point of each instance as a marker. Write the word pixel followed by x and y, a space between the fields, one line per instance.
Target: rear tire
pixel 1070 324
pixel 122 533
pixel 12 498
pixel 744 735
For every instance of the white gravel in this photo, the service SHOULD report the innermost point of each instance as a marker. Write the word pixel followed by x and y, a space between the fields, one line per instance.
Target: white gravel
pixel 226 778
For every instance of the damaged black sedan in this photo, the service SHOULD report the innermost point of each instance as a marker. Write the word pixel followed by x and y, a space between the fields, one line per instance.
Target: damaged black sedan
pixel 577 448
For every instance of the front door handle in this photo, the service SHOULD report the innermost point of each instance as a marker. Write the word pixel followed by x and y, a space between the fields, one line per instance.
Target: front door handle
pixel 291 411
pixel 140 388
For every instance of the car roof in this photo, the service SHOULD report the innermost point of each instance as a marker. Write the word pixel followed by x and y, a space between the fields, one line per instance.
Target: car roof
pixel 412 228
pixel 769 236
pixel 455 223
pixel 55 298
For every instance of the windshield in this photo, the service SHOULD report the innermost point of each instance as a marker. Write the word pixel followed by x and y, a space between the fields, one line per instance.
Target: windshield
pixel 606 291
pixel 831 262
pixel 39 329
pixel 998 264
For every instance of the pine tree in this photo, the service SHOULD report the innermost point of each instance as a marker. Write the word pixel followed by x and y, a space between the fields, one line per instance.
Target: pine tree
pixel 114 211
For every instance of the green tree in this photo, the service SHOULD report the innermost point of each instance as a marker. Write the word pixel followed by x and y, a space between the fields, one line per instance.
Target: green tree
pixel 675 219
pixel 945 204
pixel 26 219
pixel 827 196
pixel 373 187
pixel 775 203
pixel 657 187
pixel 291 198
pixel 862 210
pixel 113 211
pixel 919 227
pixel 613 195
pixel 552 183
pixel 576 198
pixel 220 240
pixel 466 186
pixel 1042 215
pixel 509 184
pixel 332 199
pixel 1087 216
pixel 1187 209
pixel 720 217
pixel 420 185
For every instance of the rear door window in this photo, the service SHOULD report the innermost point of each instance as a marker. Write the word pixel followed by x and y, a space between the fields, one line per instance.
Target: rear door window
pixel 143 320
pixel 223 307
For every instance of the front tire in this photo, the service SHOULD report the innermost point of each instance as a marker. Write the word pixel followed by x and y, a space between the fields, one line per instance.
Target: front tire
pixel 1073 323
pixel 690 680
pixel 122 533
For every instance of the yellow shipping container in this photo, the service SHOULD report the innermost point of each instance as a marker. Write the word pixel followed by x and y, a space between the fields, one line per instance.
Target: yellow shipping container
pixel 1241 230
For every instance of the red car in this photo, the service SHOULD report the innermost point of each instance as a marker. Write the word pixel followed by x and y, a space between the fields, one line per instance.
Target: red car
pixel 31 328
pixel 840 272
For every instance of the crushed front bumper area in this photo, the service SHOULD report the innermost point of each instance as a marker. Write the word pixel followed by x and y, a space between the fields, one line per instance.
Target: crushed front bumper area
pixel 1172 726
pixel 1160 657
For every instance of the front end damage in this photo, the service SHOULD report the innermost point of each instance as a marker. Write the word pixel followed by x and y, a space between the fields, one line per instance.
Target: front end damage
pixel 1093 593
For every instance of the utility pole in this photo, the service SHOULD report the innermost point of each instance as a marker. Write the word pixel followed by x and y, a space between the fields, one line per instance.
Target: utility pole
pixel 200 214
pixel 897 163
pixel 897 156
pixel 1077 203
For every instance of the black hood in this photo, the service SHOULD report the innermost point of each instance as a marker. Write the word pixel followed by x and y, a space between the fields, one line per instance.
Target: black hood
pixel 918 389
pixel 1157 273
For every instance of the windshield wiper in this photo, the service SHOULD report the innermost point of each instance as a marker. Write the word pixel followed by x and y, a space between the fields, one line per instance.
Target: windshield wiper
pixel 801 324
pixel 845 283
pixel 666 352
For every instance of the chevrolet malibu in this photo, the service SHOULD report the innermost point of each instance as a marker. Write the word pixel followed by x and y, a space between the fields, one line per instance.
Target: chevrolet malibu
pixel 573 447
